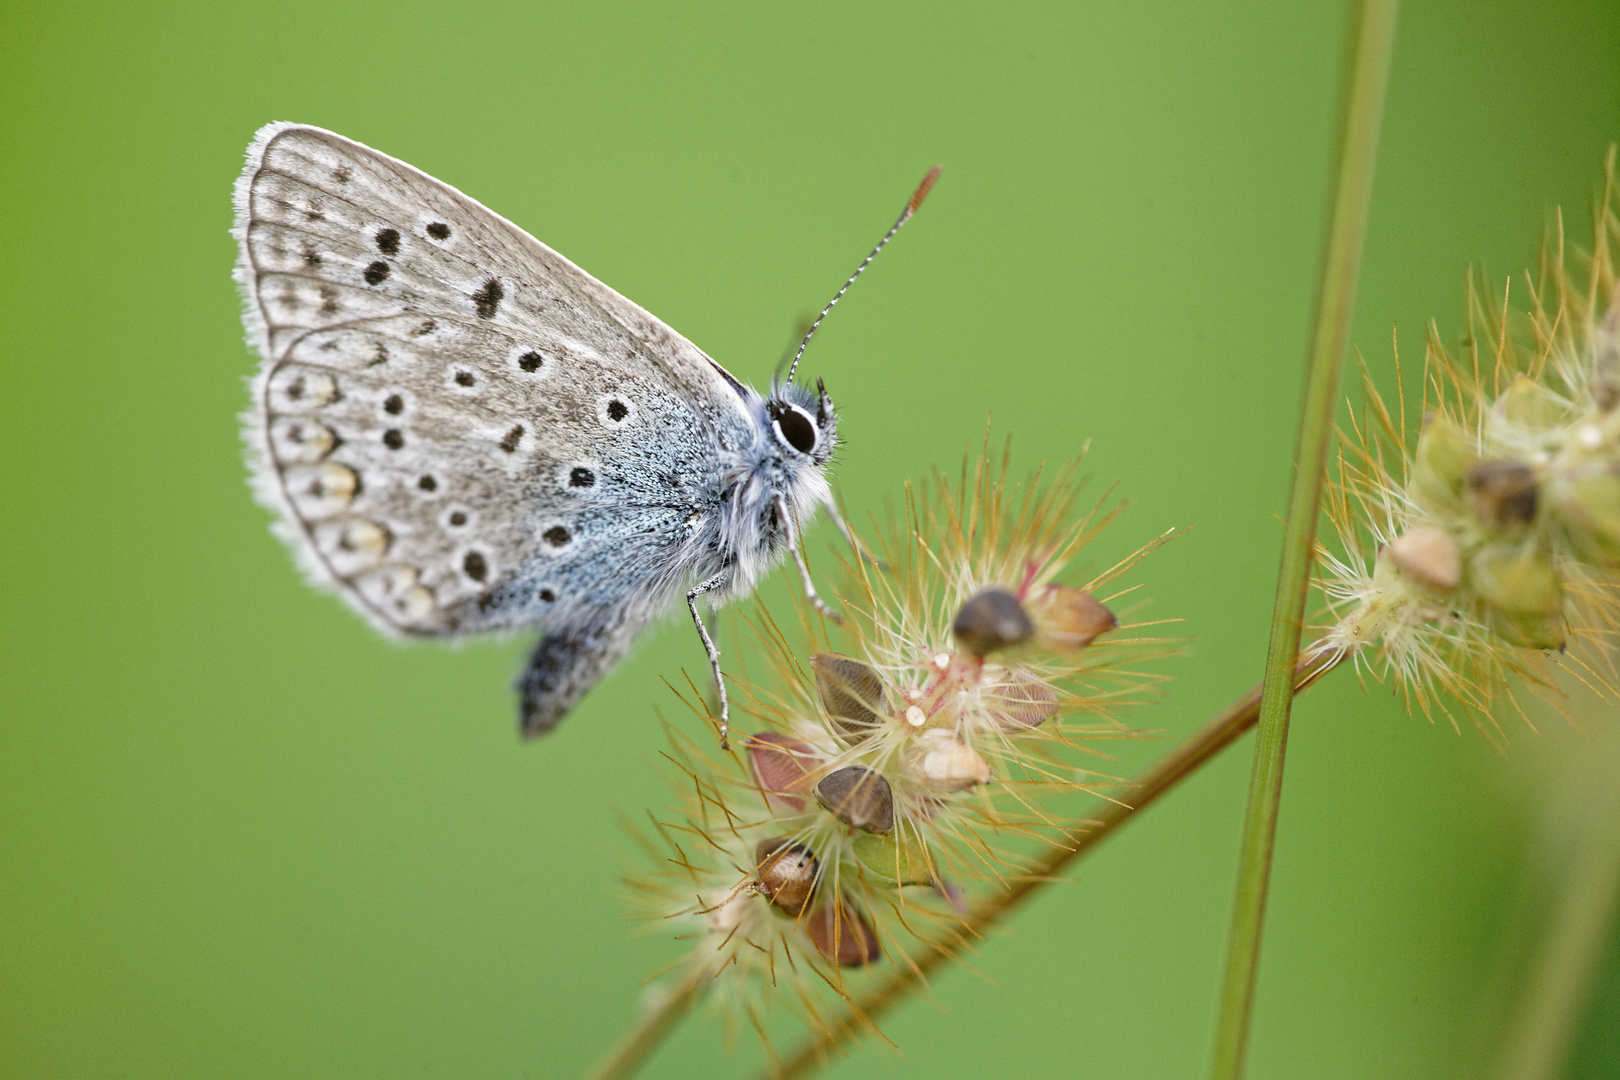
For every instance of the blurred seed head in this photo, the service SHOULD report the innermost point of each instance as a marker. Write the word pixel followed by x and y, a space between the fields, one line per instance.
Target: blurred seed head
pixel 1488 551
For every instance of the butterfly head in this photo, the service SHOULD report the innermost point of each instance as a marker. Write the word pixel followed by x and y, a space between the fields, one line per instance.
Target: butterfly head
pixel 803 423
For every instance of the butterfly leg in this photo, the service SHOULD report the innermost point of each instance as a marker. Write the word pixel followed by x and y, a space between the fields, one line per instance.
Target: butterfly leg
pixel 804 568
pixel 708 645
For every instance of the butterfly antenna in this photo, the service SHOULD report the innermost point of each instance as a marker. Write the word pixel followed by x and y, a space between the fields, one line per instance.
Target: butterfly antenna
pixel 916 200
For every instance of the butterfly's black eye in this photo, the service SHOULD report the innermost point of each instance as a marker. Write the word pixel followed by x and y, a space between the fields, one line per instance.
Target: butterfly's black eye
pixel 796 429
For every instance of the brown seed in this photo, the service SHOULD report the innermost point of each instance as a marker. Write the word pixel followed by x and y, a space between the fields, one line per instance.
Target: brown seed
pixel 991 620
pixel 1022 700
pixel 1504 493
pixel 1067 619
pixel 787 873
pixel 858 796
pixel 843 934
pixel 1428 556
pixel 850 691
pixel 782 765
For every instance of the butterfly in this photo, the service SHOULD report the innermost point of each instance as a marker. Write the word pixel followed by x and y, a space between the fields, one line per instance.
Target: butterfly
pixel 460 431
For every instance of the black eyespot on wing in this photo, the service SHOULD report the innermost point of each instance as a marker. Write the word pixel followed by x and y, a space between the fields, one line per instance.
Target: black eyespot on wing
pixel 797 429
pixel 557 536
pixel 548 596
pixel 581 477
pixel 488 299
pixel 393 404
pixel 458 518
pixel 393 439
pixel 475 566
pixel 377 273
pixel 617 410
pixel 439 231
pixel 531 361
pixel 509 441
pixel 427 483
pixel 465 378
pixel 387 241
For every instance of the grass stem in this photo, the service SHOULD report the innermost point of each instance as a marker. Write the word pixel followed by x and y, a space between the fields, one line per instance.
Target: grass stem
pixel 1582 834
pixel 1367 74
pixel 649 1031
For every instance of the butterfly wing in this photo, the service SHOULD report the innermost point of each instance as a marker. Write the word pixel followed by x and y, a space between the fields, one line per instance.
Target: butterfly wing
pixel 460 429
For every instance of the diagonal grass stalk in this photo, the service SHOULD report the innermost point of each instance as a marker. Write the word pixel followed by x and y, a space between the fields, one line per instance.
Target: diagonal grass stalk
pixel 1367 75
pixel 658 1020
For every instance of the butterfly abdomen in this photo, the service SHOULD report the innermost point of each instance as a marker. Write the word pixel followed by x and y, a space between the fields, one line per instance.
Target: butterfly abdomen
pixel 567 662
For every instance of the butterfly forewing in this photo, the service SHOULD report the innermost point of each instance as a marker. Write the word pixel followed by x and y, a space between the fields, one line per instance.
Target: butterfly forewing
pixel 462 430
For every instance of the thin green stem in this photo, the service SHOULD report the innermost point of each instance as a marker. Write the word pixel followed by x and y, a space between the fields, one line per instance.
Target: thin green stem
pixel 1186 758
pixel 1578 924
pixel 1367 75
pixel 650 1029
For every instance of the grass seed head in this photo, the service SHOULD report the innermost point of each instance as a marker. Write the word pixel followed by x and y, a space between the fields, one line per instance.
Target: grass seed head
pixel 1488 550
pixel 921 752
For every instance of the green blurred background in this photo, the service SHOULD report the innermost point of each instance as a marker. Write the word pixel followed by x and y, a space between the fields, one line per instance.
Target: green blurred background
pixel 241 836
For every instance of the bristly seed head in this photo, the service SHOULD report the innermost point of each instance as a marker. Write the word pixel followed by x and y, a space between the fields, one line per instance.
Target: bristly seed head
pixel 919 758
pixel 1493 548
